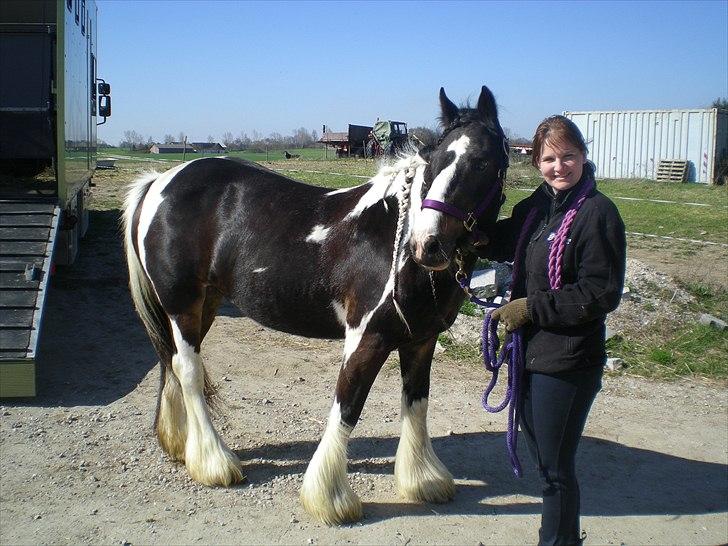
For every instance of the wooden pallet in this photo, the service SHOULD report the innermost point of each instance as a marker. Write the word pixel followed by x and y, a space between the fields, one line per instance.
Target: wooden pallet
pixel 672 170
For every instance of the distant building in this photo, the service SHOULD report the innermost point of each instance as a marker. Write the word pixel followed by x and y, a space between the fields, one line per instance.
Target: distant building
pixel 209 147
pixel 633 143
pixel 521 150
pixel 173 148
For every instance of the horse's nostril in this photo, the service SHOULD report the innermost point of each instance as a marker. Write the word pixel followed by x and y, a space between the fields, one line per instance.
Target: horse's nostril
pixel 431 246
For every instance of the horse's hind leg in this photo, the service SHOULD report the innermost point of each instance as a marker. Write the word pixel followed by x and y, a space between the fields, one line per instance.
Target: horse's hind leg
pixel 171 420
pixel 419 474
pixel 326 493
pixel 207 458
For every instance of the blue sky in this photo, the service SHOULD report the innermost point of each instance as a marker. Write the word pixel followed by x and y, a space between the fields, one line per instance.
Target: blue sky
pixel 206 67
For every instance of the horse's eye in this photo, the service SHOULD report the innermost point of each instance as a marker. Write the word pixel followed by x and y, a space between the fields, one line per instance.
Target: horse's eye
pixel 482 165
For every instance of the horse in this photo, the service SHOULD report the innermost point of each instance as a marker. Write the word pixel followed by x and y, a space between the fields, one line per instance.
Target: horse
pixel 374 264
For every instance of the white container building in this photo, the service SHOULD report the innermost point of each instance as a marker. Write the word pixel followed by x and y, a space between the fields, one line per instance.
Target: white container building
pixel 630 144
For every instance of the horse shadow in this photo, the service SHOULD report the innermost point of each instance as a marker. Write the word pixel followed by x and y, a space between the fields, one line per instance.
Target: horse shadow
pixel 615 480
pixel 92 348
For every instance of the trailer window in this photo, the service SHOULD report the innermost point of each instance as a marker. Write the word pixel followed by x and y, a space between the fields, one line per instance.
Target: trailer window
pixel 69 5
pixel 83 17
pixel 76 5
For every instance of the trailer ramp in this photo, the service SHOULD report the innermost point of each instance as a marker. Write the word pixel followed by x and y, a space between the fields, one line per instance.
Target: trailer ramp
pixel 28 232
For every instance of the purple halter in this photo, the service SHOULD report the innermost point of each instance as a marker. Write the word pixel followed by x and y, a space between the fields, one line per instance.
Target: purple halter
pixel 512 352
pixel 469 219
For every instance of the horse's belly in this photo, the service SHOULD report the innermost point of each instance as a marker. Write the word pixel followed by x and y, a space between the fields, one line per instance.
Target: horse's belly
pixel 308 317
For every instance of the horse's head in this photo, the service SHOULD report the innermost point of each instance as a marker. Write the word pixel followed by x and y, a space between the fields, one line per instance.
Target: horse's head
pixel 463 181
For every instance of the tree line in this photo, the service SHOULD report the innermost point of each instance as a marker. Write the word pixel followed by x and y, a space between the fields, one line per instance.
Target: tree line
pixel 255 141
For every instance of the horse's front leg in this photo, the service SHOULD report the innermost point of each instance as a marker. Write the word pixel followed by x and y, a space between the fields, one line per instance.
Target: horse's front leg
pixel 326 493
pixel 419 474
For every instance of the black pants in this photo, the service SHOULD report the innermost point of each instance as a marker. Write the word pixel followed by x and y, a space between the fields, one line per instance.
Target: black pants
pixel 553 414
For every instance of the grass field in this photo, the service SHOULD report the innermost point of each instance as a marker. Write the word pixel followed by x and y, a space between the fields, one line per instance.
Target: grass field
pixel 646 206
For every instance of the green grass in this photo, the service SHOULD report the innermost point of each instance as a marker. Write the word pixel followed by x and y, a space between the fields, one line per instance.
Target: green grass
pixel 459 352
pixel 711 300
pixel 695 350
pixel 258 156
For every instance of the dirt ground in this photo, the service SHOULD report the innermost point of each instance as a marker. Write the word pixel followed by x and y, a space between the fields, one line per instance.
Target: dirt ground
pixel 80 465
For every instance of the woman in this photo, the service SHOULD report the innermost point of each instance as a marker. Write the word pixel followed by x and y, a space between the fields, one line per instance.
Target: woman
pixel 567 243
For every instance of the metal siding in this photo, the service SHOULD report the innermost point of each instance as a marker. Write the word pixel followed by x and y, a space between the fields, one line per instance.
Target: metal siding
pixel 721 140
pixel 630 144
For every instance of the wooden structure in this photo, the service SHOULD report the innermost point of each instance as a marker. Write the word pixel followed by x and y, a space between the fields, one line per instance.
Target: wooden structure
pixel 672 170
pixel 353 142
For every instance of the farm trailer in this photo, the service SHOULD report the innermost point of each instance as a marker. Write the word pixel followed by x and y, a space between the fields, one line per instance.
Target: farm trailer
pixel 49 100
pixel 386 137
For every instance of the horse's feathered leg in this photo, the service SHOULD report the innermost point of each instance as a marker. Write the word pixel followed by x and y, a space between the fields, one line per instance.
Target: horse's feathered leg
pixel 207 458
pixel 419 474
pixel 326 493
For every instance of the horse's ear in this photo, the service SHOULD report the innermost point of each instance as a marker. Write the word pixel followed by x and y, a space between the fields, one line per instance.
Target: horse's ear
pixel 449 110
pixel 486 105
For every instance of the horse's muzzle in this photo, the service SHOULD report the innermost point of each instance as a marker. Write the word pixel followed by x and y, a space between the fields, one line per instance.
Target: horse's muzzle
pixel 431 253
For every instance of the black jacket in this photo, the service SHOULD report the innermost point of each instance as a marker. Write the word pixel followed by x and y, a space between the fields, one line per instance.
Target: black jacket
pixel 568 330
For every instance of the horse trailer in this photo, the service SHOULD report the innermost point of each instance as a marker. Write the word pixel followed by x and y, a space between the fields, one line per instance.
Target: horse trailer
pixel 631 144
pixel 50 100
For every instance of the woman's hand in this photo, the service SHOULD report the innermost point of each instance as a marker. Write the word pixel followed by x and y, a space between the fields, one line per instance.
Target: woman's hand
pixel 513 314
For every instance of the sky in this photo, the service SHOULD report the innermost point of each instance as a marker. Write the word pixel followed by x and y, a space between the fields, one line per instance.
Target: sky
pixel 206 67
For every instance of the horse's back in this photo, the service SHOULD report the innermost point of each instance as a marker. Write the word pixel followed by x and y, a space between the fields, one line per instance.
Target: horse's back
pixel 246 231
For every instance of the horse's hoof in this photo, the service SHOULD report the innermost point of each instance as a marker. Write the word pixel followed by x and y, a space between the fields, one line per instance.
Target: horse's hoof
pixel 217 469
pixel 437 491
pixel 335 509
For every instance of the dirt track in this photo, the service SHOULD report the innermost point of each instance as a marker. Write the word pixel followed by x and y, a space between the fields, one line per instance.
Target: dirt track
pixel 80 463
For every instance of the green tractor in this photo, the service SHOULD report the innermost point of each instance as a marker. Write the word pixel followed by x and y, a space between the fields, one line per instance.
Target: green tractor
pixel 387 138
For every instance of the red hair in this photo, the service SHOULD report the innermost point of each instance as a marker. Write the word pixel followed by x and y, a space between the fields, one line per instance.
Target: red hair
pixel 560 132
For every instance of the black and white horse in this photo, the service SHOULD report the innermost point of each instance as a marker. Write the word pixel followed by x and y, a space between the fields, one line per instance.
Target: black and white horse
pixel 372 265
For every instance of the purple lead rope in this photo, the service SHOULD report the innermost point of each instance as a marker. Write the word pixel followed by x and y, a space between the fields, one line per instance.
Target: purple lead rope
pixel 512 352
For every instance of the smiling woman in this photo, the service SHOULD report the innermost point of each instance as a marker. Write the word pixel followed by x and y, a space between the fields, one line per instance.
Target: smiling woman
pixel 567 242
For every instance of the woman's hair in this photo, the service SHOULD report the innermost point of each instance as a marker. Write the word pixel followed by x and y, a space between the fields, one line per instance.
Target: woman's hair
pixel 559 131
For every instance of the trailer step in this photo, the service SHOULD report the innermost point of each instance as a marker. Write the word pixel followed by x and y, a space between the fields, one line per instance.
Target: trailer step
pixel 27 239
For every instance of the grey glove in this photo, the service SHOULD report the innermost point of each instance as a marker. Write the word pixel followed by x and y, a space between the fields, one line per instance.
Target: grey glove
pixel 513 314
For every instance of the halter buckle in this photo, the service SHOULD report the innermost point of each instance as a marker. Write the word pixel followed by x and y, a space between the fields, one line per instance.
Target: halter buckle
pixel 470 222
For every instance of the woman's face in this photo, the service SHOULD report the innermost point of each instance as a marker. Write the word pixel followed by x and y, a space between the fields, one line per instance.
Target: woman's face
pixel 561 167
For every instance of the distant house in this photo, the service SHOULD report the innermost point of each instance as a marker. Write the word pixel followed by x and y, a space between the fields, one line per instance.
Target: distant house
pixel 209 147
pixel 521 150
pixel 173 148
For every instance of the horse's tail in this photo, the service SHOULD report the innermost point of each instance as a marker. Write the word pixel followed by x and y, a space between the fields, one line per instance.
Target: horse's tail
pixel 143 294
pixel 147 304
